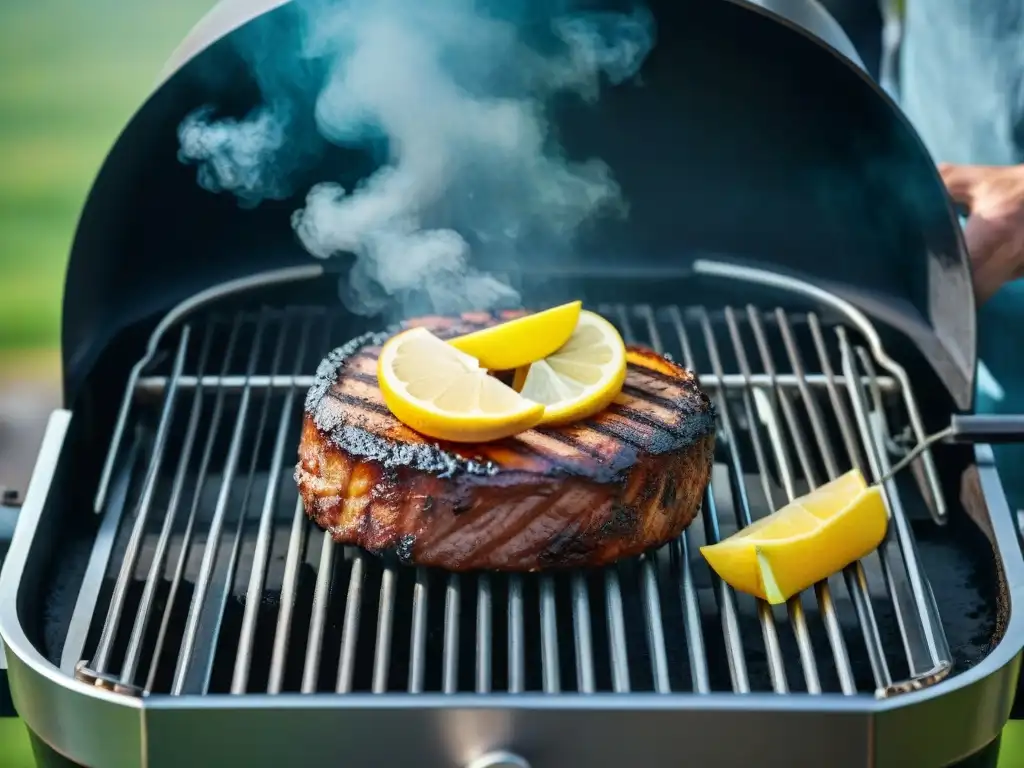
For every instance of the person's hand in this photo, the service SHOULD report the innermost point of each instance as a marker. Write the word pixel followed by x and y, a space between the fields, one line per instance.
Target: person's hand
pixel 994 198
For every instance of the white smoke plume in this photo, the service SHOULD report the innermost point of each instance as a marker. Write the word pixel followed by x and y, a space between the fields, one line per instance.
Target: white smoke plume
pixel 459 95
pixel 234 155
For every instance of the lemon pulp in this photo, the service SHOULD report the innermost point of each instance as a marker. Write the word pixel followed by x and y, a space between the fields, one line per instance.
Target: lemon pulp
pixel 804 542
pixel 582 377
pixel 443 393
pixel 522 341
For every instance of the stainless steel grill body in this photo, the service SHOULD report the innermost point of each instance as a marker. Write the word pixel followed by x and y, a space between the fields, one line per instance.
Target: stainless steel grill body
pixel 213 624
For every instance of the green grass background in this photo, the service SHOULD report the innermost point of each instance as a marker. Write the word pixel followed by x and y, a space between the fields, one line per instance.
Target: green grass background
pixel 71 74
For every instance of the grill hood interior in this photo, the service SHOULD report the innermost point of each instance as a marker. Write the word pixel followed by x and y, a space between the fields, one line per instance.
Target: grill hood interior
pixel 748 138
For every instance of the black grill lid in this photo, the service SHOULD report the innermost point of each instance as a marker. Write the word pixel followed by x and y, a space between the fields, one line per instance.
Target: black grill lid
pixel 748 137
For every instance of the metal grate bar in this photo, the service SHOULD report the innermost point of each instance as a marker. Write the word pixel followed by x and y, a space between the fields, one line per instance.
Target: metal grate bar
pixel 516 641
pixel 796 406
pixel 925 643
pixel 186 540
pixel 224 586
pixel 183 673
pixel 450 668
pixel 297 541
pixel 153 386
pixel 483 635
pixel 853 575
pixel 822 592
pixel 382 656
pixel 742 505
pixel 725 594
pixel 131 556
pixel 648 573
pixel 418 639
pixel 321 594
pixel 99 562
pixel 350 627
pixel 763 410
pixel 679 553
pixel 131 660
pixel 549 636
pixel 680 558
pixel 899 590
pixel 838 403
pixel 289 583
pixel 582 630
pixel 318 615
pixel 616 631
pixel 261 554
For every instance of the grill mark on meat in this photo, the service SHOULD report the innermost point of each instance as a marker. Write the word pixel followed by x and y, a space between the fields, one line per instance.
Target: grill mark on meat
pixel 604 459
pixel 667 437
pixel 365 377
pixel 624 436
pixel 422 457
pixel 501 533
pixel 357 402
pixel 573 442
pixel 330 366
pixel 634 391
pixel 567 544
pixel 622 522
pixel 363 393
pixel 582 495
pixel 664 378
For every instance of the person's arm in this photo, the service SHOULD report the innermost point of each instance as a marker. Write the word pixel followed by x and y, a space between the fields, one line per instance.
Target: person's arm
pixel 994 198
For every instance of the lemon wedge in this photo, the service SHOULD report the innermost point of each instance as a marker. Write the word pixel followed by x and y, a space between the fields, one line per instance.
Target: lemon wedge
pixel 582 377
pixel 445 394
pixel 806 541
pixel 519 342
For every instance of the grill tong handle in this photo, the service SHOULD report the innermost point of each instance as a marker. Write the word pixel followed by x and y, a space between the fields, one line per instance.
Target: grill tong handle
pixel 986 428
pixel 967 428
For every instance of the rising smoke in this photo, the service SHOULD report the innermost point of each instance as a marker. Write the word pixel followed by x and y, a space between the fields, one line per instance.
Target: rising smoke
pixel 460 96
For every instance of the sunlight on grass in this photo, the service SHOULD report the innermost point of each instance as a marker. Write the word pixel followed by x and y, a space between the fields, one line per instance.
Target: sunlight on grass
pixel 1011 753
pixel 71 75
pixel 15 751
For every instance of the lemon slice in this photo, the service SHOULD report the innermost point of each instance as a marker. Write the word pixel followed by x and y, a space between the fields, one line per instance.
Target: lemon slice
pixel 445 394
pixel 521 341
pixel 806 541
pixel 582 377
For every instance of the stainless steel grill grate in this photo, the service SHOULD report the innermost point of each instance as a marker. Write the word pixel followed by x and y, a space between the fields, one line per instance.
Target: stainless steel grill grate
pixel 207 577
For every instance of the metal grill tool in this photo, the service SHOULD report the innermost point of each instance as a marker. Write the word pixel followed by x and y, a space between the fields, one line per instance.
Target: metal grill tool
pixel 207 577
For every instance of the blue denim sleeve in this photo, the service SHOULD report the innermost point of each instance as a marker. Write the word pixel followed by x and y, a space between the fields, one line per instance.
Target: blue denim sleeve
pixel 962 85
pixel 962 78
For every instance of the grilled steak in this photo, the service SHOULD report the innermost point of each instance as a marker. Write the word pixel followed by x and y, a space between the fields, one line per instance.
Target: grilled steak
pixel 629 479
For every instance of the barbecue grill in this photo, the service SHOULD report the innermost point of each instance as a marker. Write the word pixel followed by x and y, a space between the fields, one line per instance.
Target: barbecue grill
pixel 172 605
